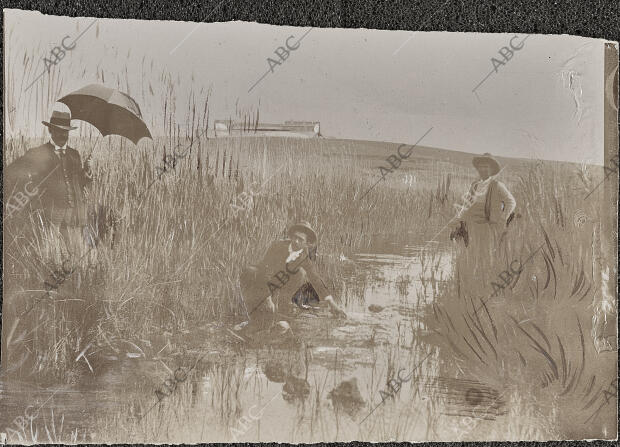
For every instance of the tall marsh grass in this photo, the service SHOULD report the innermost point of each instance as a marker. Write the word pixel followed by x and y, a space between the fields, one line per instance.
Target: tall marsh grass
pixel 171 259
pixel 536 333
pixel 173 249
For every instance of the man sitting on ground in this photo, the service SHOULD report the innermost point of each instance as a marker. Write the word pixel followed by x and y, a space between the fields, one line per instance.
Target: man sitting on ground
pixel 286 268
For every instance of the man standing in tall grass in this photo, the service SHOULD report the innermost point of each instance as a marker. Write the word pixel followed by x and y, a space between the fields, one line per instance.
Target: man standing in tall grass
pixel 489 206
pixel 59 174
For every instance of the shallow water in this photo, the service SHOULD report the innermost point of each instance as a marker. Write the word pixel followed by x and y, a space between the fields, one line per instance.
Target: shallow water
pixel 282 392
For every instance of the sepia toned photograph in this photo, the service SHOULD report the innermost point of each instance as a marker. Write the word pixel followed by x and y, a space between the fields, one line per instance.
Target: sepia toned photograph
pixel 239 232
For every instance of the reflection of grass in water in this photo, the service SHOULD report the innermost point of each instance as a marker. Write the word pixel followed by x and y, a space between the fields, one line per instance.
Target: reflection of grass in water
pixel 430 273
pixel 402 285
pixel 535 335
pixel 194 413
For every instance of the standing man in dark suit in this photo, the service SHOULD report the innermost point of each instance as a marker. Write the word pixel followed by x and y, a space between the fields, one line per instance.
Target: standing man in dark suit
pixel 285 269
pixel 60 178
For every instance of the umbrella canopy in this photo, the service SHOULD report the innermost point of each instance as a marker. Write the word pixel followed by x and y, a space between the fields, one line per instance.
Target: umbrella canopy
pixel 111 111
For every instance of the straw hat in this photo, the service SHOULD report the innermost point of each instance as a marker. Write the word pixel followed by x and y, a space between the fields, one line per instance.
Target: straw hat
pixel 486 159
pixel 60 120
pixel 303 227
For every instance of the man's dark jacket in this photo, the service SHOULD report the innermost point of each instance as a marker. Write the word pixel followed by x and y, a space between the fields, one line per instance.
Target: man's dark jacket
pixel 60 186
pixel 255 279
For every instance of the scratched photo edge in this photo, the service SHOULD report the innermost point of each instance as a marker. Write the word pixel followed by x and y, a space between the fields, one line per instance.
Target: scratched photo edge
pixel 302 232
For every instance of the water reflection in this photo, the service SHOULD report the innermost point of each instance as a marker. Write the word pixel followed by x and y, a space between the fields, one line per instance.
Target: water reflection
pixel 318 390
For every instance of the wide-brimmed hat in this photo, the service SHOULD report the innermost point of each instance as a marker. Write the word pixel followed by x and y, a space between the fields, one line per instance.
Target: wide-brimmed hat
pixel 487 159
pixel 60 120
pixel 303 227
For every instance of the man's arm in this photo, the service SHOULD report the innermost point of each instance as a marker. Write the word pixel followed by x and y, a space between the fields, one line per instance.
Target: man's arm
pixel 24 175
pixel 507 198
pixel 317 282
pixel 271 259
pixel 15 176
pixel 323 292
pixel 85 175
pixel 313 277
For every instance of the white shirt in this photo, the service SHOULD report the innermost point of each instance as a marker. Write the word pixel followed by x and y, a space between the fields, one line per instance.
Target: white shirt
pixel 293 254
pixel 58 148
pixel 503 202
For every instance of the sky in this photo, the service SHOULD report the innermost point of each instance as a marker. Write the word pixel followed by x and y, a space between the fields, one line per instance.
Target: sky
pixel 543 101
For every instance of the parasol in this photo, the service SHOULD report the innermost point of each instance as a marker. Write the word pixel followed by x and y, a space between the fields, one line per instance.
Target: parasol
pixel 111 111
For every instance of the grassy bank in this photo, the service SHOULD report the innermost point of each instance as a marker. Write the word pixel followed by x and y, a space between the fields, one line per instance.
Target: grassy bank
pixel 173 247
pixel 536 333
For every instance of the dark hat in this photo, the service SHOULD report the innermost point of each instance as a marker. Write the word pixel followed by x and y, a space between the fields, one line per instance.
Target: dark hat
pixel 60 120
pixel 487 159
pixel 303 227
